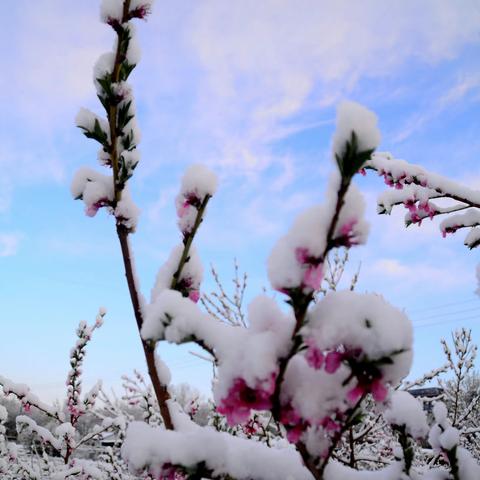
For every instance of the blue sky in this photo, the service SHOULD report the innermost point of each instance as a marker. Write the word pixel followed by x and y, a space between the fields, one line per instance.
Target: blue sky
pixel 249 88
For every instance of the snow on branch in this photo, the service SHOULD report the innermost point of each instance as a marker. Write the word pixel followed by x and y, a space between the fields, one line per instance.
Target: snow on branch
pixel 157 451
pixel 415 187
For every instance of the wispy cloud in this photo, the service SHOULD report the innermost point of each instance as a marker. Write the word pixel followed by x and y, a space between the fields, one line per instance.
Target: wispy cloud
pixel 9 243
pixel 465 85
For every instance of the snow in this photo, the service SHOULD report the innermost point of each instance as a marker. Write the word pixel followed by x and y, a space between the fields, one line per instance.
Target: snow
pixel 126 211
pixel 152 448
pixel 405 410
pixel 413 193
pixel 111 10
pixel 3 414
pixel 473 238
pixel 22 392
pixel 297 258
pixel 352 116
pixel 470 218
pixel 86 119
pixel 163 371
pixel 192 273
pixel 366 322
pixel 200 180
pixel 403 173
pixel 103 67
pixel 134 53
pixel 314 394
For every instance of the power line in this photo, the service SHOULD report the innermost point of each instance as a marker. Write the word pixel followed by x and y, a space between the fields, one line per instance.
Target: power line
pixel 435 307
pixel 445 322
pixel 475 309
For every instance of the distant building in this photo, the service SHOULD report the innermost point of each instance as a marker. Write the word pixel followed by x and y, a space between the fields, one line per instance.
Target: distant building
pixel 426 394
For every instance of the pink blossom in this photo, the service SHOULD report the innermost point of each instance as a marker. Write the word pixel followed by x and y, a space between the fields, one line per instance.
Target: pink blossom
pixel 169 472
pixel 363 172
pixel 330 425
pixel 92 210
pixel 379 391
pixel 293 423
pixel 26 407
pixel 410 205
pixel 194 295
pixel 142 11
pixel 355 393
pixel 250 428
pixel 333 361
pixel 182 209
pixel 302 255
pixel 313 276
pixel 347 234
pixel 294 434
pixel 242 398
pixel 314 357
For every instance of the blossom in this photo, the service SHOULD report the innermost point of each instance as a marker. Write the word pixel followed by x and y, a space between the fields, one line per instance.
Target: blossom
pixel 348 236
pixel 378 390
pixel 92 210
pixel 242 398
pixel 194 295
pixel 314 356
pixel 312 278
pixel 294 424
pixel 333 361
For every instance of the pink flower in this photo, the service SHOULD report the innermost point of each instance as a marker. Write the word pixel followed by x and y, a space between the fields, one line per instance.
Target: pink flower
pixel 194 295
pixel 355 393
pixel 330 425
pixel 169 472
pixel 301 254
pixel 294 434
pixel 333 361
pixel 241 399
pixel 142 11
pixel 182 209
pixel 26 407
pixel 410 205
pixel 347 236
pixel 314 357
pixel 363 172
pixel 379 391
pixel 313 276
pixel 92 210
pixel 293 423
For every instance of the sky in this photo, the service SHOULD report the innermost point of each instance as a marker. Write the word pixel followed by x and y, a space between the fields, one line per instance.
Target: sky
pixel 250 89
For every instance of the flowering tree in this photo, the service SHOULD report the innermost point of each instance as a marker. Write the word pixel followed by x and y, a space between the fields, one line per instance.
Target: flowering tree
pixel 311 368
pixel 428 195
pixel 63 437
pixel 294 387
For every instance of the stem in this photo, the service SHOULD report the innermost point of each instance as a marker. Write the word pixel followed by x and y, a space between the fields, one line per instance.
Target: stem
pixel 338 437
pixel 187 242
pixel 161 391
pixel 351 442
pixel 113 108
pixel 301 301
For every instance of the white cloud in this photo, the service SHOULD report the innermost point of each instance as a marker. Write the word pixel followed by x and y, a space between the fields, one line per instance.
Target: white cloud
pixel 49 72
pixel 9 243
pixel 265 62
